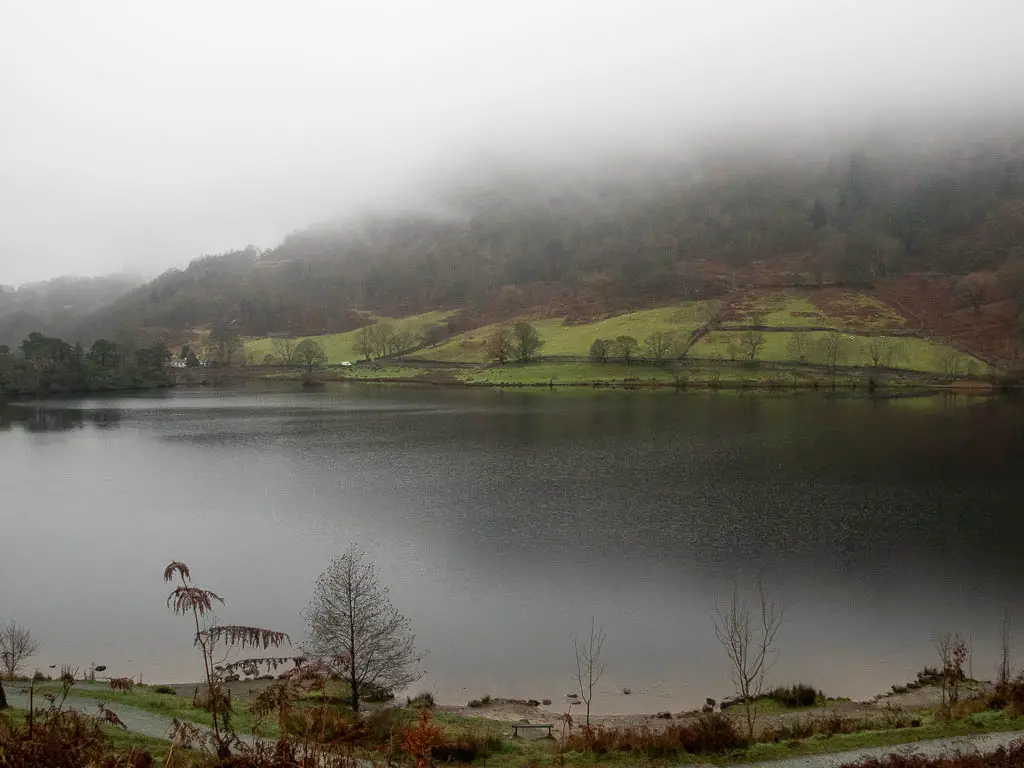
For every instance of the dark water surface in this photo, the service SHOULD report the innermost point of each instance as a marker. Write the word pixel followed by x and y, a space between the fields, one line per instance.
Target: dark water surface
pixel 502 521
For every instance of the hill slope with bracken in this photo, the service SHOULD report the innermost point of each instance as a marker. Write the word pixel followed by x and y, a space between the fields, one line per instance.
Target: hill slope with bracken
pixel 939 238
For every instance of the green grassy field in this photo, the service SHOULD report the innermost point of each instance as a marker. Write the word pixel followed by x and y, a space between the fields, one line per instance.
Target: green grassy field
pixel 843 310
pixel 982 722
pixel 340 347
pixel 575 340
pixel 915 354
pixel 691 373
pixel 565 373
pixel 170 706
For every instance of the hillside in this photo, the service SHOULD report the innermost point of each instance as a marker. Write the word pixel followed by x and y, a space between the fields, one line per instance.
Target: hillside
pixel 936 237
pixel 56 307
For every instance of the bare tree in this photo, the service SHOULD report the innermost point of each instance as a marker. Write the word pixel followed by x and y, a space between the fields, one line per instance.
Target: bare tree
pixel 383 336
pixel 1005 643
pixel 365 342
pixel 878 351
pixel 525 341
pixel 356 632
pixel 949 360
pixel 749 642
pixel 589 666
pixel 625 346
pixel 404 340
pixel 658 344
pixel 975 289
pixel 600 350
pixel 16 647
pixel 832 347
pixel 798 345
pixel 284 349
pixel 499 345
pixel 752 341
pixel 952 650
pixel 311 354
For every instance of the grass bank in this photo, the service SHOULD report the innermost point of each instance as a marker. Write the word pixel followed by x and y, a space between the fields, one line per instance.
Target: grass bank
pixel 120 739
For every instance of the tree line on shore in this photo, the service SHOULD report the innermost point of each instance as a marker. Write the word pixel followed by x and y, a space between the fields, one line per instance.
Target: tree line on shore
pixel 49 365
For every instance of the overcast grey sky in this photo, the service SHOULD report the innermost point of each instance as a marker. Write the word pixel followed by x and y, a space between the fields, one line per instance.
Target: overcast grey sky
pixel 138 134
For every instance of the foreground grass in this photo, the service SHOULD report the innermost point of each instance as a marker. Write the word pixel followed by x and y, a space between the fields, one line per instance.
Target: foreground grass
pixel 973 725
pixel 521 753
pixel 119 738
pixel 167 705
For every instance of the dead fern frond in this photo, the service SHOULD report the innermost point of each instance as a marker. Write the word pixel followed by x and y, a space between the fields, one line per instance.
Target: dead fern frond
pixel 279 697
pixel 187 735
pixel 186 599
pixel 176 567
pixel 122 684
pixel 109 717
pixel 253 666
pixel 246 637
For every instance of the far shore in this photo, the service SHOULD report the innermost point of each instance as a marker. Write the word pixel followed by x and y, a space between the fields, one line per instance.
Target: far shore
pixel 701 376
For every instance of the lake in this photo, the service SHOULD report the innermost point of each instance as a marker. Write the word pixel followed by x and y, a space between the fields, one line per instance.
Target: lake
pixel 502 521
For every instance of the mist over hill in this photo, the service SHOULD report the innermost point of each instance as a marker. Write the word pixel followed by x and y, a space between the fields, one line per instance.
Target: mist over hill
pixel 592 239
pixel 57 306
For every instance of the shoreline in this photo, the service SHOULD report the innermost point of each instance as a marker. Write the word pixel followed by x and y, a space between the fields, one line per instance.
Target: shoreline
pixel 511 711
pixel 754 380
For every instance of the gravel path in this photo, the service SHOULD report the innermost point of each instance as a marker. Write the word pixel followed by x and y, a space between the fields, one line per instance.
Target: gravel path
pixel 982 744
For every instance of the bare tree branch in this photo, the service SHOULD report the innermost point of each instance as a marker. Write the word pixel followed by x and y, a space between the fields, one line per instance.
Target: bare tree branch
pixel 356 632
pixel 589 666
pixel 17 645
pixel 749 644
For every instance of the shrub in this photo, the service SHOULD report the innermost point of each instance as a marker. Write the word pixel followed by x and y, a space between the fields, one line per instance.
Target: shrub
pixel 712 733
pixel 385 724
pixel 1009 696
pixel 376 695
pixel 466 748
pixel 833 723
pixel 166 690
pixel 324 725
pixel 421 700
pixel 67 739
pixel 798 695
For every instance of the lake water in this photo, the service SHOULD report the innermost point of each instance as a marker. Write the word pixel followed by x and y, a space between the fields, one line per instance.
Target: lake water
pixel 503 521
